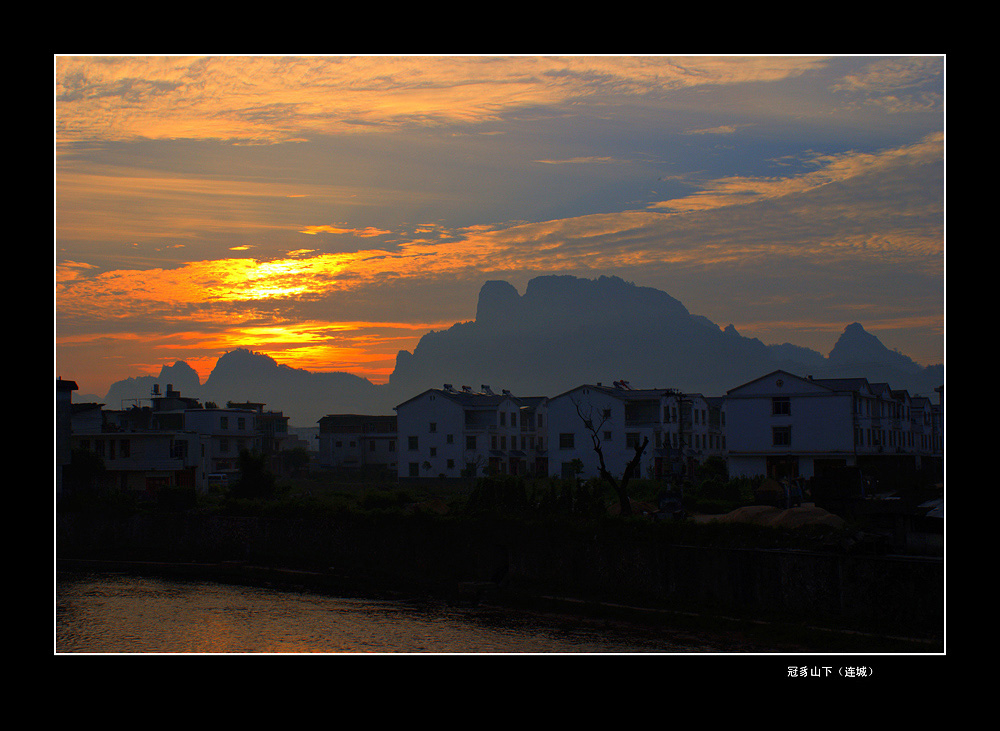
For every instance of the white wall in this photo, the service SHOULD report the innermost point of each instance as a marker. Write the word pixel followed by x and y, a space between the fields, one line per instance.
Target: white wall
pixel 436 422
pixel 820 422
pixel 563 419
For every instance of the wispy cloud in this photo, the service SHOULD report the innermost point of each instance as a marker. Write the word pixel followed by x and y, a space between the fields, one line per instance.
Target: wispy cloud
pixel 278 99
pixel 219 201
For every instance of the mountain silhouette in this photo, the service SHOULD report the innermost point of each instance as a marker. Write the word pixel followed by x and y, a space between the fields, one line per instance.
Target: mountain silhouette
pixel 180 376
pixel 562 332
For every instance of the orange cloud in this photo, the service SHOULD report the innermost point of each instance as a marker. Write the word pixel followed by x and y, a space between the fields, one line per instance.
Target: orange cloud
pixel 367 232
pixel 261 100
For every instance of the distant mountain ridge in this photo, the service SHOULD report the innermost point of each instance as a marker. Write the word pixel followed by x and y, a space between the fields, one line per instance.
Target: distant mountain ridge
pixel 562 332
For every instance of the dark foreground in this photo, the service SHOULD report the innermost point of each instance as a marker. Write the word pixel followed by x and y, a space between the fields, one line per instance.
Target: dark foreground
pixel 713 632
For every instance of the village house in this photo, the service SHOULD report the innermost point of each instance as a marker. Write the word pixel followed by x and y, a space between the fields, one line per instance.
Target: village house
pixel 358 441
pixel 682 430
pixel 454 433
pixel 173 442
pixel 783 425
pixel 778 425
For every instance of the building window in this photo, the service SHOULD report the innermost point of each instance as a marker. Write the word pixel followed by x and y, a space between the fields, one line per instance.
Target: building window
pixel 223 445
pixel 451 464
pixel 632 440
pixel 607 436
pixel 566 441
pixel 413 443
pixel 781 406
pixel 371 446
pixel 470 442
pixel 450 439
pixel 414 469
pixel 434 452
pixel 434 427
pixel 241 423
pixel 392 445
pixel 224 422
pixel 503 418
pixel 781 436
pixel 124 448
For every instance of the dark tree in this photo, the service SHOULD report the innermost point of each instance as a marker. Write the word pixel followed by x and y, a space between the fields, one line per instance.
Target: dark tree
pixel 83 470
pixel 254 480
pixel 620 486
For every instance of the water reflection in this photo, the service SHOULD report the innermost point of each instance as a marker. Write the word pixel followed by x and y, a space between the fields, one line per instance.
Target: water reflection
pixel 112 613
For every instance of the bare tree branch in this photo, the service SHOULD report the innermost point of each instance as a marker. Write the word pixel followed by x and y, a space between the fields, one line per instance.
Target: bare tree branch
pixel 620 488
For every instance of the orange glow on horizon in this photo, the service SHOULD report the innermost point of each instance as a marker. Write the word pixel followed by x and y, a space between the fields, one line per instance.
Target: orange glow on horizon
pixel 365 349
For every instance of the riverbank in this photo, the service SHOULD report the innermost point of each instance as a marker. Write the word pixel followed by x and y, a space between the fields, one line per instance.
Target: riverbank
pixel 742 633
pixel 124 612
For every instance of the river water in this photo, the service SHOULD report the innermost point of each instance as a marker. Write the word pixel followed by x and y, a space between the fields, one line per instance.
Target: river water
pixel 121 613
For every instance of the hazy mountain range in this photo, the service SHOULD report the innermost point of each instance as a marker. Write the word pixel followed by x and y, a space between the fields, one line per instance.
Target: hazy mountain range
pixel 562 332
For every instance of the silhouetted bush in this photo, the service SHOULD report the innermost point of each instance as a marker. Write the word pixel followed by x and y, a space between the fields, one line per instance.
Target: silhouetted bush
pixel 504 494
pixel 176 498
pixel 254 480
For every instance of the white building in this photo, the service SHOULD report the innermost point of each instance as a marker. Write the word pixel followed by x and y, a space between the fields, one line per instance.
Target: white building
pixel 783 425
pixel 682 429
pixel 454 433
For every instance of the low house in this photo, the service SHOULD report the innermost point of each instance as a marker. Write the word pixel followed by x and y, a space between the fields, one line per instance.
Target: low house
pixel 357 441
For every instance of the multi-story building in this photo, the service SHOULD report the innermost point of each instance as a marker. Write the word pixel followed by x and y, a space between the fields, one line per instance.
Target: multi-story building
pixel 359 441
pixel 228 432
pixel 174 442
pixel 683 430
pixel 272 432
pixel 145 461
pixel 464 433
pixel 784 425
pixel 693 429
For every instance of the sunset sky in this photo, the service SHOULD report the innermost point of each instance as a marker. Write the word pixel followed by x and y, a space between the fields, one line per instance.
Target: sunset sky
pixel 328 211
